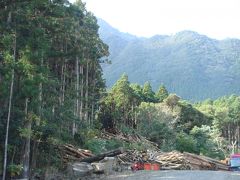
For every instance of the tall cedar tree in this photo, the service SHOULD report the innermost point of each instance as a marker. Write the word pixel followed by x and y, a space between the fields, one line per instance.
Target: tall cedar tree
pixel 50 78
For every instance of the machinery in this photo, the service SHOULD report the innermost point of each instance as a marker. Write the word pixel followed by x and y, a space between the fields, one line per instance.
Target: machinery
pixel 145 166
pixel 137 166
pixel 234 164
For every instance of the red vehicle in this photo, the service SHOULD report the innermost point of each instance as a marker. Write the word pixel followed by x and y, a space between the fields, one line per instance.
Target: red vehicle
pixel 234 162
pixel 137 166
pixel 145 166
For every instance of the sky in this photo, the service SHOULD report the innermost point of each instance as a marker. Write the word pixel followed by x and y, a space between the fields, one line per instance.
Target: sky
pixel 217 19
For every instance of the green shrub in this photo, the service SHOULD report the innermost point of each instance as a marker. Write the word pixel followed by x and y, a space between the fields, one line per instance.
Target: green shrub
pixel 212 151
pixel 138 146
pixel 113 144
pixel 15 170
pixel 187 143
pixel 205 142
pixel 96 145
pixel 126 130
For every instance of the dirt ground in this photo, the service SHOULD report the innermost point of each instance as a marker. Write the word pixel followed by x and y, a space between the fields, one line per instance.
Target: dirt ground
pixel 176 175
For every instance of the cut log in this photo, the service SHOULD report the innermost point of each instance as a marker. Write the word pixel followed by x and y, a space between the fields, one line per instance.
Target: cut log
pixel 69 153
pixel 81 169
pixel 129 138
pixel 177 160
pixel 212 163
pixel 103 155
pixel 98 167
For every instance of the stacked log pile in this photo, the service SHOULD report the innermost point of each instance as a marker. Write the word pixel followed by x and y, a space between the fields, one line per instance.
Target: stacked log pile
pixel 101 156
pixel 70 153
pixel 215 164
pixel 185 161
pixel 132 156
pixel 129 138
pixel 172 160
pixel 120 136
pixel 167 160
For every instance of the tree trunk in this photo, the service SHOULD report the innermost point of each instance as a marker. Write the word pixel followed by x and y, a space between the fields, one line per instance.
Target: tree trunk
pixel 238 137
pixel 40 94
pixel 81 93
pixel 34 154
pixel 64 74
pixel 229 133
pixel 93 95
pixel 103 155
pixel 9 106
pixel 132 116
pixel 92 114
pixel 64 82
pixel 7 126
pixel 77 97
pixel 86 93
pixel 61 88
pixel 26 156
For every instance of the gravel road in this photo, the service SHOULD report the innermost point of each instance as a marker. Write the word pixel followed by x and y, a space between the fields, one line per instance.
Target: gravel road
pixel 176 175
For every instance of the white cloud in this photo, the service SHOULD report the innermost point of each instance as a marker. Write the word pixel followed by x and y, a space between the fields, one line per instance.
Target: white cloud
pixel 215 18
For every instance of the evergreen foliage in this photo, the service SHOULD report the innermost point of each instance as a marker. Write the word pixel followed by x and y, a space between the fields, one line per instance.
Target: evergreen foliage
pixel 50 55
pixel 148 93
pixel 209 127
pixel 162 93
pixel 52 92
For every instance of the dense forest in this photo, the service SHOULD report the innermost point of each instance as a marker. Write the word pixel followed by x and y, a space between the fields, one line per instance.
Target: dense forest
pixel 50 78
pixel 210 127
pixel 209 66
pixel 52 92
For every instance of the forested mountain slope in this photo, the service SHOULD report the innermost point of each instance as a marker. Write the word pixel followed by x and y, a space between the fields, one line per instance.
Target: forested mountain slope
pixel 192 65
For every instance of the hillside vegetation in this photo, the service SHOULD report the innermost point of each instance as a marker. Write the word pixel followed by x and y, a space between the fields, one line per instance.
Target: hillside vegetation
pixel 53 95
pixel 50 81
pixel 210 127
pixel 194 66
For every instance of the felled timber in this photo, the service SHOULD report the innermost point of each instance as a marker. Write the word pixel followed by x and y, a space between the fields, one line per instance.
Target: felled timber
pixel 70 153
pixel 172 160
pixel 217 165
pixel 128 138
pixel 103 155
pixel 177 160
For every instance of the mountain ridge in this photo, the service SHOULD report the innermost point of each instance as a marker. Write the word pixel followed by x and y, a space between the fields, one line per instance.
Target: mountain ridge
pixel 188 63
